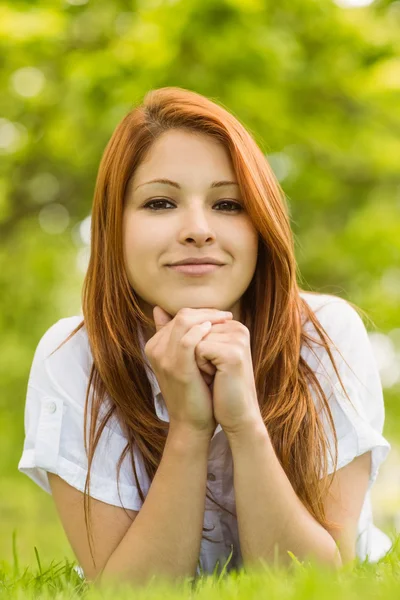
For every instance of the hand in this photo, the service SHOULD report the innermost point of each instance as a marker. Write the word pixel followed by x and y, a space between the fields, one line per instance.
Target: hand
pixel 171 355
pixel 227 347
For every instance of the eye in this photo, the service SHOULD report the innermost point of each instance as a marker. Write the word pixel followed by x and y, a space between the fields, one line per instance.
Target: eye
pixel 235 205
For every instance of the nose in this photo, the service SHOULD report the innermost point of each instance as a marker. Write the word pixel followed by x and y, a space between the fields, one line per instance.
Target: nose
pixel 196 225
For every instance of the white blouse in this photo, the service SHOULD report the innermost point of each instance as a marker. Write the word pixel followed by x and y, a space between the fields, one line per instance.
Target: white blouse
pixel 54 438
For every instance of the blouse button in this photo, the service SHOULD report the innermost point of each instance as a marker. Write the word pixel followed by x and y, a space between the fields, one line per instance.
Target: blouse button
pixel 51 407
pixel 211 477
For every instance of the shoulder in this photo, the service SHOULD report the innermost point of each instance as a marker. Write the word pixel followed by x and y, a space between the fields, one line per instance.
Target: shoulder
pixel 355 360
pixel 348 341
pixel 59 367
pixel 327 303
pixel 55 421
pixel 337 316
pixel 58 332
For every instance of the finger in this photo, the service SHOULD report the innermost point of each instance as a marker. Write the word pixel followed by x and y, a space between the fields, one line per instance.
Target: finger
pixel 161 317
pixel 206 366
pixel 188 318
pixel 188 344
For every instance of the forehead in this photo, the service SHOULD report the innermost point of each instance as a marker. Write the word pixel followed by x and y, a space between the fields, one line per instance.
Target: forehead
pixel 176 152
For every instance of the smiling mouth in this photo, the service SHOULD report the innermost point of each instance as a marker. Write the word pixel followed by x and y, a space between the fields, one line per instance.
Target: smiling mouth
pixel 196 269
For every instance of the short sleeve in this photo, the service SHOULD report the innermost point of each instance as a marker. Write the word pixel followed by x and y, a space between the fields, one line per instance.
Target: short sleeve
pixel 359 424
pixel 54 424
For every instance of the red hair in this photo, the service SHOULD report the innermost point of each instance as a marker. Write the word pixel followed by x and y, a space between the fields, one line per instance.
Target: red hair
pixel 271 308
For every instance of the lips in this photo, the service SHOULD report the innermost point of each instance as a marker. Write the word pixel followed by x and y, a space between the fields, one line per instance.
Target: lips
pixel 196 269
pixel 198 261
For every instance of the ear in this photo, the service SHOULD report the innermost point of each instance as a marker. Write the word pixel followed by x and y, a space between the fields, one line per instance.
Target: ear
pixel 161 317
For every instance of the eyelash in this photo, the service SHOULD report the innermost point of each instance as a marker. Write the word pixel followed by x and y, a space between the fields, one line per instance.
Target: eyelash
pixel 237 206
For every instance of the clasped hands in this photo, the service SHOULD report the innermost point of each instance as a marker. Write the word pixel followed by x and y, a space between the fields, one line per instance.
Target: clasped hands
pixel 224 358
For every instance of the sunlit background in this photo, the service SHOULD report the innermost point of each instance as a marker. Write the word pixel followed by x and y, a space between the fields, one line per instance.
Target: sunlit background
pixel 316 82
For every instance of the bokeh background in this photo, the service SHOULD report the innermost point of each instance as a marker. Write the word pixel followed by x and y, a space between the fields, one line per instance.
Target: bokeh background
pixel 316 82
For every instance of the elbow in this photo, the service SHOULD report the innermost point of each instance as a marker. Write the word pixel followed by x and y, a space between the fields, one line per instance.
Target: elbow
pixel 332 557
pixel 337 561
pixel 117 580
pixel 327 557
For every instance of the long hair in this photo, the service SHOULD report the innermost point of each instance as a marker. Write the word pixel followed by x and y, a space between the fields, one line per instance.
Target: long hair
pixel 271 308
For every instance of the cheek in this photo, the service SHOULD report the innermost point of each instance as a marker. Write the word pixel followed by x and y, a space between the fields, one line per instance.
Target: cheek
pixel 134 235
pixel 253 243
pixel 132 243
pixel 144 240
pixel 248 252
pixel 247 244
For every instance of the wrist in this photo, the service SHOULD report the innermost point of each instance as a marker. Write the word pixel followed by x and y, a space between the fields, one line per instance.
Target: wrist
pixel 185 436
pixel 252 430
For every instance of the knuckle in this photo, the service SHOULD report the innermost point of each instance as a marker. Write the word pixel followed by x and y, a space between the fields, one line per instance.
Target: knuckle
pixel 164 366
pixel 186 342
pixel 244 332
pixel 182 318
pixel 198 350
pixel 184 311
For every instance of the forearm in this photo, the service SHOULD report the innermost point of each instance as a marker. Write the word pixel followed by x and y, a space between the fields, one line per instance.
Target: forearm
pixel 271 517
pixel 165 536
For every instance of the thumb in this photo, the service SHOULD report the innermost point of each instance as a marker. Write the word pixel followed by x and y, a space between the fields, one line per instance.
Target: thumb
pixel 161 317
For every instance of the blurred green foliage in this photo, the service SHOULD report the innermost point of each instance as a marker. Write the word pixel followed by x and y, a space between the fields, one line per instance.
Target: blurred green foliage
pixel 317 85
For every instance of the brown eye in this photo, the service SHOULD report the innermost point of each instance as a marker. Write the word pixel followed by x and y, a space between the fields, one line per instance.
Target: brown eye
pixel 235 205
pixel 147 205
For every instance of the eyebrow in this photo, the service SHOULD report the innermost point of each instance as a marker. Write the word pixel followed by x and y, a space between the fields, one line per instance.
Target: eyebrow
pixel 215 184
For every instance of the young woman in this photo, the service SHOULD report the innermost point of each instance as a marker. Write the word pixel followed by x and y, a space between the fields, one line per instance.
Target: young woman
pixel 159 416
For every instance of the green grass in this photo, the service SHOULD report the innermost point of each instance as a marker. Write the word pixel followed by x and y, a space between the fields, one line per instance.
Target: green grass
pixel 300 581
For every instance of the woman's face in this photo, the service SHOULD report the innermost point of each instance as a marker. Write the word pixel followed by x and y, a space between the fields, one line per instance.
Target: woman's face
pixel 190 217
